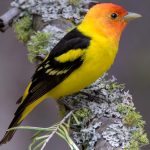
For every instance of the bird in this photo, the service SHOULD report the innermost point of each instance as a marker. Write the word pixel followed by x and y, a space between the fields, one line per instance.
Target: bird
pixel 81 57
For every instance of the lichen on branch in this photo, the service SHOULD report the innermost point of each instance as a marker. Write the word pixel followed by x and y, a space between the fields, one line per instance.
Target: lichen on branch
pixel 55 17
pixel 112 120
pixel 104 116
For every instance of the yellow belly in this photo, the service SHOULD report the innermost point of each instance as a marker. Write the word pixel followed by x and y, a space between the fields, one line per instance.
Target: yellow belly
pixel 96 62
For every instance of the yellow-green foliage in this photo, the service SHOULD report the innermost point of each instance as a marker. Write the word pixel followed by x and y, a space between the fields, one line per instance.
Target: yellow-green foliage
pixel 74 2
pixel 134 119
pixel 131 117
pixel 23 28
pixel 139 139
pixel 116 86
pixel 81 115
pixel 37 45
pixel 134 145
pixel 124 109
pixel 140 136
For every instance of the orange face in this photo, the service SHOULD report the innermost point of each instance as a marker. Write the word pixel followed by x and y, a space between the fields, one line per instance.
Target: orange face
pixel 108 18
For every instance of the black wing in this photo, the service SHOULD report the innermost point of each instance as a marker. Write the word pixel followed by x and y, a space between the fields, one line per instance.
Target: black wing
pixel 51 72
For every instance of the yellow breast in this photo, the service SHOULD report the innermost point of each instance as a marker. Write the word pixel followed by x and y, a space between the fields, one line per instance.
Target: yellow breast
pixel 98 59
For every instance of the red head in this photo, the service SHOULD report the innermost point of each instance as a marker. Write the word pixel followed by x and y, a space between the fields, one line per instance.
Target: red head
pixel 109 19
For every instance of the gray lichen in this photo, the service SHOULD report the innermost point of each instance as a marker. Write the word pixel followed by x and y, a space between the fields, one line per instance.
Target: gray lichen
pixel 107 116
pixel 54 9
pixel 56 35
pixel 107 123
pixel 60 17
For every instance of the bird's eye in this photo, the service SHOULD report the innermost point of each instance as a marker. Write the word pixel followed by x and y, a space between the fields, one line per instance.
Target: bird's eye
pixel 114 15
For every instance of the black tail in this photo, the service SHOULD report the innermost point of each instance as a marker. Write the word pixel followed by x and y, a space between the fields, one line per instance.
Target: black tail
pixel 20 114
pixel 9 134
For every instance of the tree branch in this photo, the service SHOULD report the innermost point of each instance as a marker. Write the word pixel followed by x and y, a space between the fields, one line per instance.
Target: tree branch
pixel 105 116
pixel 7 18
pixel 108 119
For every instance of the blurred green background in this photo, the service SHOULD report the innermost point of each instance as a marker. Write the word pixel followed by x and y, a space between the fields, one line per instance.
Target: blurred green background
pixel 131 67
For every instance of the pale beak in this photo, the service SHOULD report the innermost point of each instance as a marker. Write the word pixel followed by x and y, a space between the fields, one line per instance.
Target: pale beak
pixel 132 16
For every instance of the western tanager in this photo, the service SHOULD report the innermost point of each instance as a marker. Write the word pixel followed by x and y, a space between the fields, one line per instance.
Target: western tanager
pixel 79 59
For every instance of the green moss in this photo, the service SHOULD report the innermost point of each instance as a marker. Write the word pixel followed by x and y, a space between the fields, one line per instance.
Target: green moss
pixel 74 2
pixel 139 139
pixel 131 117
pixel 23 28
pixel 116 86
pixel 134 119
pixel 144 139
pixel 124 109
pixel 134 145
pixel 80 116
pixel 37 45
